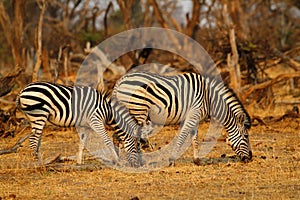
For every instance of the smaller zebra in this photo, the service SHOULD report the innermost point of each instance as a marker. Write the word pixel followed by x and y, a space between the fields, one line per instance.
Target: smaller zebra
pixel 69 106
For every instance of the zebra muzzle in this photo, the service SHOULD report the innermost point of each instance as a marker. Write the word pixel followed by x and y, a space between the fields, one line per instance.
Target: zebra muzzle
pixel 247 158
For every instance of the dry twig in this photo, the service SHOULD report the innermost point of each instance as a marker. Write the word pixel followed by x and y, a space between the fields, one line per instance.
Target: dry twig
pixel 269 83
pixel 16 146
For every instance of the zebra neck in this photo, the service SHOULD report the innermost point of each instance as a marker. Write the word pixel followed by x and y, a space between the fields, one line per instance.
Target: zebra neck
pixel 218 95
pixel 225 105
pixel 121 118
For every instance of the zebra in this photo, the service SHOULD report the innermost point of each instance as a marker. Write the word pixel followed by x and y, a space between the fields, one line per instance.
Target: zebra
pixel 70 106
pixel 187 98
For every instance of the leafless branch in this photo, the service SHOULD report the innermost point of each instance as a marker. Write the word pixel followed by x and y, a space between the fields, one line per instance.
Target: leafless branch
pixel 126 9
pixel 158 14
pixel 17 145
pixel 7 82
pixel 105 18
pixel 191 23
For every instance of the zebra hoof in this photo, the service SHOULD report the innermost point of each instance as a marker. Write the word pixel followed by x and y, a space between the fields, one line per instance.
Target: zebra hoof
pixel 38 158
pixel 171 162
pixel 135 165
pixel 79 162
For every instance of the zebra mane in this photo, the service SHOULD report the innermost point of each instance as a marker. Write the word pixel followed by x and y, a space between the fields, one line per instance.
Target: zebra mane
pixel 214 84
pixel 247 122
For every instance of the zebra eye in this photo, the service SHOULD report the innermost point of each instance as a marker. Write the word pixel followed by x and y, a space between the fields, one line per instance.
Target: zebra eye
pixel 246 136
pixel 241 117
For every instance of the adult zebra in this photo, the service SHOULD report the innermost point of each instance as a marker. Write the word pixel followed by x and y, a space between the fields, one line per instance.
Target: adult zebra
pixel 69 106
pixel 187 98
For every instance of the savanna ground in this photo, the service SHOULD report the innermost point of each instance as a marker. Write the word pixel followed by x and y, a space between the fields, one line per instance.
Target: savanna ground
pixel 274 172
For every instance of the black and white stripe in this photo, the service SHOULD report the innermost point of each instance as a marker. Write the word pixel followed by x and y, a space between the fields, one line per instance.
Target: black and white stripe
pixel 69 106
pixel 187 98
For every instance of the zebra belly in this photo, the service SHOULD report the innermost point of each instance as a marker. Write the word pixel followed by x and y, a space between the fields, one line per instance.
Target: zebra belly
pixel 160 115
pixel 163 119
pixel 63 119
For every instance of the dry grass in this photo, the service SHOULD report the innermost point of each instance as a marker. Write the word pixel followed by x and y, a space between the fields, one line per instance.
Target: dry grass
pixel 274 172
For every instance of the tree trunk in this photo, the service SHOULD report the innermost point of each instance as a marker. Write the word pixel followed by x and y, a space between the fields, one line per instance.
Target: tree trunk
pixel 239 16
pixel 232 59
pixel 39 43
pixel 14 30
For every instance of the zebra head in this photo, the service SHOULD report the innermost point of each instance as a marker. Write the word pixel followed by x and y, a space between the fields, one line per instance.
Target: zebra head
pixel 227 109
pixel 238 137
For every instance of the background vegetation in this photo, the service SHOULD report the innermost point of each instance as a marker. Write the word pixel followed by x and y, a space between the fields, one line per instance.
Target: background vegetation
pixel 41 34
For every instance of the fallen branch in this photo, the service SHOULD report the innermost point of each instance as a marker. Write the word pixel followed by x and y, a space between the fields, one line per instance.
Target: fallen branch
pixel 16 146
pixel 287 102
pixel 61 159
pixel 290 61
pixel 294 113
pixel 268 83
pixel 271 119
pixel 7 101
pixel 53 160
pixel 259 120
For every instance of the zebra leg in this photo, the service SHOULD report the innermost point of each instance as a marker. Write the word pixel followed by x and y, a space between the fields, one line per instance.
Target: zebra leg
pixel 132 150
pixel 82 144
pixel 99 128
pixel 35 137
pixel 35 143
pixel 189 127
pixel 196 158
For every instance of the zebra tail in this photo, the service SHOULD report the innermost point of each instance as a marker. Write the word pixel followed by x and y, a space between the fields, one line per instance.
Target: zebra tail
pixel 28 107
pixel 18 103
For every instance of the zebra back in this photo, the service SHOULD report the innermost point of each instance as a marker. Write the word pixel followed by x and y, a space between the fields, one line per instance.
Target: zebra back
pixel 168 97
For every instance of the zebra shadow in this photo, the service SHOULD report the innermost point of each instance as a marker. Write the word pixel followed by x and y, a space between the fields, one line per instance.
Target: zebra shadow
pixel 212 161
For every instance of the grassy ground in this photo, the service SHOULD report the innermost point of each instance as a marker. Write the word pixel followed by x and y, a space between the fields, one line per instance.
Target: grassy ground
pixel 274 172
